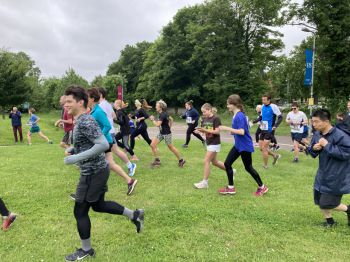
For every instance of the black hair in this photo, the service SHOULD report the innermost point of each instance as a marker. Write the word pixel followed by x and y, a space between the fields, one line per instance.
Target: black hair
pixel 94 94
pixel 323 114
pixel 102 91
pixel 78 93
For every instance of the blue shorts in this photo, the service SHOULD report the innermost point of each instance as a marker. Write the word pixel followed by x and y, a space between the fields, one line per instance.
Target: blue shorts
pixel 297 136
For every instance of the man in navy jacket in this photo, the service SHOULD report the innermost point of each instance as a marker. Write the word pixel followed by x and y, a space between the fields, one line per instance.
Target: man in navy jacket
pixel 15 116
pixel 332 180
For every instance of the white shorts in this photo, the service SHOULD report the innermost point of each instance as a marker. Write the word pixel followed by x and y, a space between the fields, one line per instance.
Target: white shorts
pixel 214 148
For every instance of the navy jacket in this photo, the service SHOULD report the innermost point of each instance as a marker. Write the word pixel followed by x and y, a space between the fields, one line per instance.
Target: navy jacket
pixel 192 115
pixel 333 174
pixel 16 118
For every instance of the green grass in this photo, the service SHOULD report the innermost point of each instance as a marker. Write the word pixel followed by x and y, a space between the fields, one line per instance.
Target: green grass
pixel 182 224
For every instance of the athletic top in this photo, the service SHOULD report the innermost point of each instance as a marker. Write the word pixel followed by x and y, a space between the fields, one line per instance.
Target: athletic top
pixel 267 116
pixel 138 114
pixel 108 109
pixel 211 123
pixel 191 115
pixel 123 121
pixel 32 120
pixel 297 119
pixel 245 142
pixel 66 116
pixel 86 131
pixel 164 126
pixel 101 118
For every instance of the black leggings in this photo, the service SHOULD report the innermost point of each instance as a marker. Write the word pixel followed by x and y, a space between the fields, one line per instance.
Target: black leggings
pixel 3 210
pixel 247 161
pixel 124 143
pixel 81 213
pixel 257 134
pixel 190 131
pixel 273 139
pixel 139 131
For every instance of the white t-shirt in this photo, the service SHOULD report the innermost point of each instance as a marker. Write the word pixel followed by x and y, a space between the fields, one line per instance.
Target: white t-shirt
pixel 108 109
pixel 297 119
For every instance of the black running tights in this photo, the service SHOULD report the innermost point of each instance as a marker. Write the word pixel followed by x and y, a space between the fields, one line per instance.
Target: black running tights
pixel 3 210
pixel 190 131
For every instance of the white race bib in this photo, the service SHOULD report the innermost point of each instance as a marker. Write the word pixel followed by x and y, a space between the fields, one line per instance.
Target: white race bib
pixel 189 120
pixel 264 125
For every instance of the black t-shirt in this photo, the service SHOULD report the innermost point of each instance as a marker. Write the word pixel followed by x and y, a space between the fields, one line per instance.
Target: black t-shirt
pixel 211 123
pixel 164 127
pixel 141 113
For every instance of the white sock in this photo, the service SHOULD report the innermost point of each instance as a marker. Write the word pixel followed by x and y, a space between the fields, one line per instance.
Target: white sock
pixel 230 187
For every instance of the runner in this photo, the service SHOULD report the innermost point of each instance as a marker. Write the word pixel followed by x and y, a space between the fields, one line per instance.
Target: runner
pixel 89 145
pixel 7 217
pixel 210 127
pixel 192 116
pixel 257 121
pixel 243 147
pixel 297 120
pixel 332 180
pixel 67 123
pixel 141 126
pixel 267 126
pixel 34 128
pixel 16 122
pixel 99 115
pixel 164 123
pixel 108 109
pixel 122 120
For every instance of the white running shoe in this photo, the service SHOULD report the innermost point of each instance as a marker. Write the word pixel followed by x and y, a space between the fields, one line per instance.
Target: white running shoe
pixel 201 185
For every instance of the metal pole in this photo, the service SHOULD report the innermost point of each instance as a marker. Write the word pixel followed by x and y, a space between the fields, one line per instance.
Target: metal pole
pixel 313 68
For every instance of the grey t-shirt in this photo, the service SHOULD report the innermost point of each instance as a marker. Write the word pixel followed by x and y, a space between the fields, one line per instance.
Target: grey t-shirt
pixel 86 130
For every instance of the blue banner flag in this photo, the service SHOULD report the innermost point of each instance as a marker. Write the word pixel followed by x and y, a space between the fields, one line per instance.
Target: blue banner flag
pixel 308 69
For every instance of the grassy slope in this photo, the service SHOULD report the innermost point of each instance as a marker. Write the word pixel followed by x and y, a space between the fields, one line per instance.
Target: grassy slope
pixel 181 223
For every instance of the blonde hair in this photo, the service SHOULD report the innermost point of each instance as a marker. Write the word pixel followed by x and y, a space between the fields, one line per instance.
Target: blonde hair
pixel 119 103
pixel 210 108
pixel 138 103
pixel 162 105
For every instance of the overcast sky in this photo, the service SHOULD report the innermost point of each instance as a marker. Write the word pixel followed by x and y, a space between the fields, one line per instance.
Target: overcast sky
pixel 88 35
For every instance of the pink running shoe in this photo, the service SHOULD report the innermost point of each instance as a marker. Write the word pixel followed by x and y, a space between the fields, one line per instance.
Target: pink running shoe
pixel 227 191
pixel 8 222
pixel 261 190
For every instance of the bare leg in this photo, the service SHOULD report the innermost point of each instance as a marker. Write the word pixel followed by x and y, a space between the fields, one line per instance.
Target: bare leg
pixel 175 151
pixel 218 163
pixel 153 145
pixel 29 138
pixel 116 168
pixel 43 136
pixel 209 156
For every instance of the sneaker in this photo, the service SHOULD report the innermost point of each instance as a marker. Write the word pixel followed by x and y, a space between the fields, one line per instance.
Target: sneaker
pixel 261 191
pixel 275 159
pixel 277 147
pixel 182 162
pixel 80 254
pixel 227 191
pixel 326 225
pixel 131 186
pixel 139 219
pixel 72 196
pixel 296 160
pixel 132 169
pixel 8 222
pixel 50 142
pixel 156 163
pixel 184 146
pixel 134 158
pixel 201 185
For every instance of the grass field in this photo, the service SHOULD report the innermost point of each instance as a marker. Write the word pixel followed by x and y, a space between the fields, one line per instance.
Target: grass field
pixel 181 223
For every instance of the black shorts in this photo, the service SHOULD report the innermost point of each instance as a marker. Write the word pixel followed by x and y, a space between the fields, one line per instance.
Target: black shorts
pixel 326 201
pixel 109 149
pixel 91 187
pixel 297 136
pixel 265 135
pixel 68 138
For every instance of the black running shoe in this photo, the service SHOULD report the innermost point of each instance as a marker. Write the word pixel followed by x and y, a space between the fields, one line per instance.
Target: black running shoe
pixel 131 186
pixel 139 219
pixel 182 162
pixel 80 254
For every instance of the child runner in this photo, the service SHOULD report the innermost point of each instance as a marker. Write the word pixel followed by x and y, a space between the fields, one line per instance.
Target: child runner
pixel 192 116
pixel 210 127
pixel 163 123
pixel 122 120
pixel 34 128
pixel 67 122
pixel 243 147
pixel 88 153
pixel 141 126
pixel 296 119
pixel 108 109
pixel 7 217
pixel 99 115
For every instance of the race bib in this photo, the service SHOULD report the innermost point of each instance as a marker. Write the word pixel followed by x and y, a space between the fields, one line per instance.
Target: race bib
pixel 264 125
pixel 189 120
